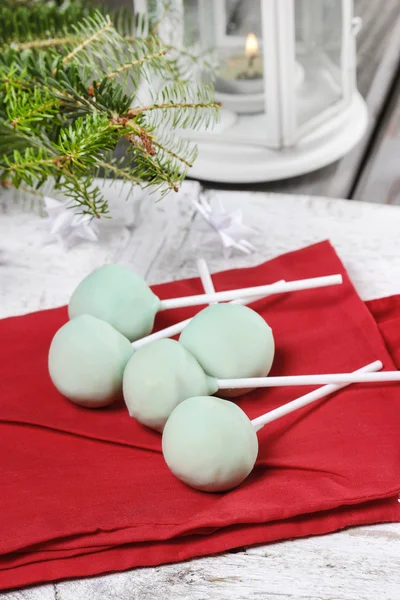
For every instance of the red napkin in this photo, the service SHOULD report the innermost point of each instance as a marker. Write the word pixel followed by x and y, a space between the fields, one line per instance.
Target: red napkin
pixel 87 492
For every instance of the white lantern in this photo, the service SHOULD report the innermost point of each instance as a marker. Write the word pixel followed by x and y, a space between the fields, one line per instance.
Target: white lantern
pixel 287 84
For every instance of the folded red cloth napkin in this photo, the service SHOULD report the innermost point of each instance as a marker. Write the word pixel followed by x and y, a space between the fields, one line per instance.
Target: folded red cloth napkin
pixel 87 492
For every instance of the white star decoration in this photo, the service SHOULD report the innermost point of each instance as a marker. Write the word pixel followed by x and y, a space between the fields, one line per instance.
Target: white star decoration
pixel 66 225
pixel 229 226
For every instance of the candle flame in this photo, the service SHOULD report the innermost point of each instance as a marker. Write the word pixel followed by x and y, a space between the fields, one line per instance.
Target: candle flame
pixel 251 48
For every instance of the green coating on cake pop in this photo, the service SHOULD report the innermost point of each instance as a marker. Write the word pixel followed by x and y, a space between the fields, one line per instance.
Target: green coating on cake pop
pixel 87 358
pixel 119 297
pixel 158 377
pixel 209 443
pixel 230 341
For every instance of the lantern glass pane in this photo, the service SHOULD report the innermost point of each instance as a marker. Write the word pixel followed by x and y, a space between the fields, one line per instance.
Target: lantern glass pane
pixel 319 35
pixel 231 30
pixel 243 17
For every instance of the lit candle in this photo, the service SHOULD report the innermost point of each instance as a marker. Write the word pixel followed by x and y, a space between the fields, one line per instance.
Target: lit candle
pixel 242 73
pixel 251 49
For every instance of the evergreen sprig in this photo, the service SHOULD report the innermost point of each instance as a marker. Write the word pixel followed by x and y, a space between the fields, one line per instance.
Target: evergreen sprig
pixel 64 107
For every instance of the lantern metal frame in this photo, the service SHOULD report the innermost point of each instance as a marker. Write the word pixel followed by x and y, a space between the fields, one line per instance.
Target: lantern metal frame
pixel 235 151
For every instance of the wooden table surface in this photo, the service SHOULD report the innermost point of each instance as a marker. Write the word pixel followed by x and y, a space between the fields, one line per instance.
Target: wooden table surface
pixel 357 564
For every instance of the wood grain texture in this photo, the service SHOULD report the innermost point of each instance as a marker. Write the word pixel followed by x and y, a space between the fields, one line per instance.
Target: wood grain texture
pixel 357 564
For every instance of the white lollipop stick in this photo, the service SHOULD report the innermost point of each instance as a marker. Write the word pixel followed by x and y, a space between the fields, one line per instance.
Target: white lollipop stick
pixel 205 277
pixel 291 380
pixel 318 394
pixel 179 327
pixel 209 288
pixel 160 335
pixel 274 288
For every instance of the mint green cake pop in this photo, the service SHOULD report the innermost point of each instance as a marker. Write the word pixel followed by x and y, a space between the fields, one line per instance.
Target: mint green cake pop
pixel 230 341
pixel 158 377
pixel 119 297
pixel 87 358
pixel 210 444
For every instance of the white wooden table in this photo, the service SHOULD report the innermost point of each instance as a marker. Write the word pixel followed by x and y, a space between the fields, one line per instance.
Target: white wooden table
pixel 360 563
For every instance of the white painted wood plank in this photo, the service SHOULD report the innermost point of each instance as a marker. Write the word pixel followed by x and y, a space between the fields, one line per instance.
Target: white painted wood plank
pixel 43 592
pixel 362 563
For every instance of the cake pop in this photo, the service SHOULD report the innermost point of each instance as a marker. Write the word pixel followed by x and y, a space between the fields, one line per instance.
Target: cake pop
pixel 123 299
pixel 160 376
pixel 211 444
pixel 230 340
pixel 86 361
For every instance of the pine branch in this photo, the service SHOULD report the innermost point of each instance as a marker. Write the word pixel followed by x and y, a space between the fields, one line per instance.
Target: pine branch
pixel 35 113
pixel 196 108
pixel 95 36
pixel 167 150
pixel 44 44
pixel 121 173
pixel 135 63
pixel 31 108
pixel 118 52
pixel 83 194
pixel 65 106
pixel 152 170
pixel 33 166
pixel 134 112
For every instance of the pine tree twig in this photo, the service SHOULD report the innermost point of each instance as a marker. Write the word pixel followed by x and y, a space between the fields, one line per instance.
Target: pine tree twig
pixel 173 154
pixel 43 161
pixel 88 41
pixel 44 44
pixel 13 81
pixel 164 176
pixel 30 114
pixel 135 63
pixel 119 172
pixel 134 112
pixel 142 141
pixel 182 52
pixel 87 201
